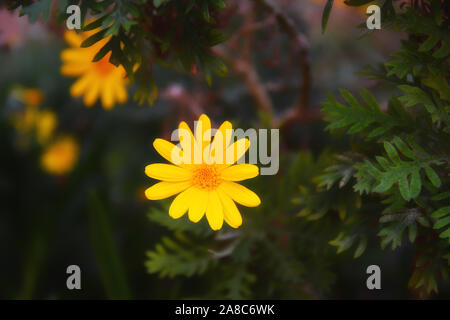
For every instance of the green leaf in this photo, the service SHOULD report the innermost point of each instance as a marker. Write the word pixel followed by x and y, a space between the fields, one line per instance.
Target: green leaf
pixel 361 247
pixel 445 234
pixel 443 51
pixel 441 196
pixel 403 148
pixel 432 176
pixel 158 3
pixel 415 96
pixel 412 232
pixel 95 24
pixel 391 152
pixel 441 212
pixel 102 52
pixel 404 188
pixel 110 266
pixel 415 184
pixel 93 39
pixel 204 10
pixel 38 9
pixel 369 99
pixel 219 4
pixel 441 223
pixel 428 44
pixel 326 14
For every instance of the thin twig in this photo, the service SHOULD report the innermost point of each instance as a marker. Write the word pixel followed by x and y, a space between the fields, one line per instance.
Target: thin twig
pixel 247 73
pixel 299 110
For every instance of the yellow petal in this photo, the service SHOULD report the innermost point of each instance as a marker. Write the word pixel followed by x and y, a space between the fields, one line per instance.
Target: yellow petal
pixel 240 172
pixel 80 86
pixel 230 211
pixel 203 131
pixel 187 142
pixel 167 172
pixel 236 151
pixel 168 150
pixel 220 143
pixel 76 56
pixel 72 69
pixel 199 202
pixel 214 212
pixel 162 190
pixel 240 194
pixel 107 96
pixel 121 93
pixel 92 93
pixel 180 204
pixel 73 38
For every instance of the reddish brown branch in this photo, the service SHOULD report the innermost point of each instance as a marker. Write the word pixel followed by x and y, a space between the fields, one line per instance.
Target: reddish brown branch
pixel 243 66
pixel 301 45
pixel 247 73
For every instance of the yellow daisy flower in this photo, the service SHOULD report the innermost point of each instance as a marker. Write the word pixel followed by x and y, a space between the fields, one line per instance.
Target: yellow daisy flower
pixel 46 123
pixel 203 175
pixel 99 79
pixel 60 157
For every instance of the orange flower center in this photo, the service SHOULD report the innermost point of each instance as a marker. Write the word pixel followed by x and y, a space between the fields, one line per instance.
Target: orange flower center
pixel 103 66
pixel 33 97
pixel 206 177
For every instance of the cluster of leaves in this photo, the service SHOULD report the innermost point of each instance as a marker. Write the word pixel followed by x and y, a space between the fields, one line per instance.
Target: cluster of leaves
pixel 173 33
pixel 253 261
pixel 401 152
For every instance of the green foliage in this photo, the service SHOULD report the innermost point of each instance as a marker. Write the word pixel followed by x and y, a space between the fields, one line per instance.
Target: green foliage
pixel 404 161
pixel 181 255
pixel 141 33
pixel 253 261
pixel 381 176
pixel 368 117
pixel 108 260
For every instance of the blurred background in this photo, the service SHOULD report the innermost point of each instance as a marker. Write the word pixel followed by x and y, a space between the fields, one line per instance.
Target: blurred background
pixel 72 178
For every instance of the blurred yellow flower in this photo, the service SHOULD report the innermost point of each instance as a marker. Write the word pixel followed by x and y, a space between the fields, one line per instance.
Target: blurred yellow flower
pixel 28 96
pixel 32 120
pixel 25 120
pixel 204 182
pixel 60 157
pixel 45 125
pixel 33 97
pixel 99 79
